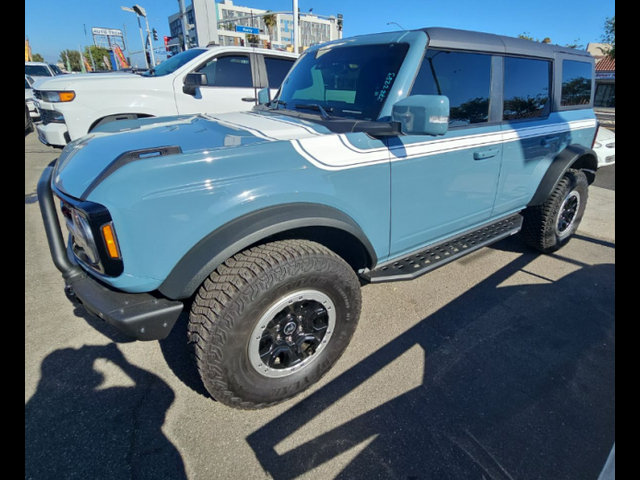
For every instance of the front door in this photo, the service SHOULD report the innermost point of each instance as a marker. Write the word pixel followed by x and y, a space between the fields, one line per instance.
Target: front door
pixel 229 85
pixel 441 186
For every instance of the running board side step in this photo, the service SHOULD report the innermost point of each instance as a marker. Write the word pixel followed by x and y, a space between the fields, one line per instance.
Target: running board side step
pixel 428 259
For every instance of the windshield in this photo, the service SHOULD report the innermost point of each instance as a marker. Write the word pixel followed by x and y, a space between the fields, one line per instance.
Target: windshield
pixel 347 82
pixel 174 63
pixel 37 71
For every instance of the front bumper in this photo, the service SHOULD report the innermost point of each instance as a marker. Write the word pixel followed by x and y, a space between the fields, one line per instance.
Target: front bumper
pixel 53 134
pixel 143 316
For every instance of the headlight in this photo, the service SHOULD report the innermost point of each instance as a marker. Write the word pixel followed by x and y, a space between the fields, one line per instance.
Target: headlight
pixel 93 237
pixel 57 97
pixel 84 237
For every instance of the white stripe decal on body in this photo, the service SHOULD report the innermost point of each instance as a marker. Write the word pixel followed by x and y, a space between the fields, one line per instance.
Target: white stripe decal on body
pixel 334 152
pixel 262 126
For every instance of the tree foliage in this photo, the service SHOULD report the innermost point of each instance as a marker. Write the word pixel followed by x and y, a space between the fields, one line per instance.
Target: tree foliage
pixel 36 57
pixel 610 36
pixel 270 21
pixel 74 59
pixel 527 36
pixel 98 56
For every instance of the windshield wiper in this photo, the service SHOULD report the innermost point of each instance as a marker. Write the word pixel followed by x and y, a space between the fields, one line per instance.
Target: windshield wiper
pixel 317 108
pixel 278 102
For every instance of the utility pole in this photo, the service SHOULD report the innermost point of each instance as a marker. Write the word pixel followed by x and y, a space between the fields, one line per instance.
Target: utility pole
pixel 185 27
pixel 296 28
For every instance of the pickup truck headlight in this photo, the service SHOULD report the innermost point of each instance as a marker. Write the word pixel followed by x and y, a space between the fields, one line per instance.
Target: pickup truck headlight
pixel 93 236
pixel 56 97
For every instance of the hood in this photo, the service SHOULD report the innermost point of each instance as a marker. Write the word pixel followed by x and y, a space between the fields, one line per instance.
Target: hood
pixel 87 161
pixel 605 135
pixel 63 82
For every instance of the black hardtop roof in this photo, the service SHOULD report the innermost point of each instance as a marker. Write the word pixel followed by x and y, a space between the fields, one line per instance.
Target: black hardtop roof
pixel 487 42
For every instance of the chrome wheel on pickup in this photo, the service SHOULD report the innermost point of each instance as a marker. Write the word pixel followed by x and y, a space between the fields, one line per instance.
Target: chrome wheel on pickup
pixel 271 321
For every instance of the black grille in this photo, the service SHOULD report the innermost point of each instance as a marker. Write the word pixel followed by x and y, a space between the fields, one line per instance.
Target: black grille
pixel 50 116
pixel 37 95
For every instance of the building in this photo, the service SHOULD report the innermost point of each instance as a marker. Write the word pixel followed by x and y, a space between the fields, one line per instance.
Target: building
pixel 211 21
pixel 605 77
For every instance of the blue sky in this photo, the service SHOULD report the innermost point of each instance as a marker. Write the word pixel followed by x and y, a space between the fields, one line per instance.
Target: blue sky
pixel 54 25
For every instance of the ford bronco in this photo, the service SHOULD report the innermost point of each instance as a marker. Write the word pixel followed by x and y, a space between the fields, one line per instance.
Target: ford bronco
pixel 380 159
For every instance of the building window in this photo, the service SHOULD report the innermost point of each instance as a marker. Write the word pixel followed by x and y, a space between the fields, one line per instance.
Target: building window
pixel 231 71
pixel 577 80
pixel 527 87
pixel 463 77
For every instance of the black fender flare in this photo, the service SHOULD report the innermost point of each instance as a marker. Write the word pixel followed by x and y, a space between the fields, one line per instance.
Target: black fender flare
pixel 574 156
pixel 236 236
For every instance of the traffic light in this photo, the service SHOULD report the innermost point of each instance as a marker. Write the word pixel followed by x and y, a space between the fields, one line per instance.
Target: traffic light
pixel 155 35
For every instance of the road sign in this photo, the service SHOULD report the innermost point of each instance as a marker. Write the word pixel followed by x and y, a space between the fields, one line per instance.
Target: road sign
pixel 249 30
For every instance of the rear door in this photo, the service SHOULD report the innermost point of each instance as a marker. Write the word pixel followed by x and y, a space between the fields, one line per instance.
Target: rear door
pixel 230 79
pixel 533 135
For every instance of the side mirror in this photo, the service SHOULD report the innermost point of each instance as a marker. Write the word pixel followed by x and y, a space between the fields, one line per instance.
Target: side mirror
pixel 264 96
pixel 192 81
pixel 423 115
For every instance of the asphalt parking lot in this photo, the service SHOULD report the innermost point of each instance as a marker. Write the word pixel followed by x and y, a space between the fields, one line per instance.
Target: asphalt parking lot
pixel 500 366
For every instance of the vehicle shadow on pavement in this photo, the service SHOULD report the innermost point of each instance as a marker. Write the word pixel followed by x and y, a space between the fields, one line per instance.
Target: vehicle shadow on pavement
pixel 178 358
pixel 76 426
pixel 31 198
pixel 519 383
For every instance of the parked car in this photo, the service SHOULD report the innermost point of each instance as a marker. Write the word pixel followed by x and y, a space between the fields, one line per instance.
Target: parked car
pixel 39 70
pixel 605 147
pixel 382 158
pixel 28 123
pixel 28 97
pixel 200 80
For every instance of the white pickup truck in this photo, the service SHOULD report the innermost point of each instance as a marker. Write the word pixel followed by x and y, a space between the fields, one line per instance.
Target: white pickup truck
pixel 201 80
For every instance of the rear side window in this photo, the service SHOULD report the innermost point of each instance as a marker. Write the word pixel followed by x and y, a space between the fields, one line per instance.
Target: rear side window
pixel 231 71
pixel 527 87
pixel 277 70
pixel 463 77
pixel 577 80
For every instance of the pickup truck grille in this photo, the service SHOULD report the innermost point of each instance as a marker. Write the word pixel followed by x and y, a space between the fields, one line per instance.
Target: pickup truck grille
pixel 51 116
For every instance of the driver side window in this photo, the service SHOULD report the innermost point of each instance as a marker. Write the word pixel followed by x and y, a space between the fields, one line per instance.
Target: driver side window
pixel 463 77
pixel 229 71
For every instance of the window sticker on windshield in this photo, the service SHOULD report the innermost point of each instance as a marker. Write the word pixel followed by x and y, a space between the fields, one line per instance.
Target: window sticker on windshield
pixel 387 85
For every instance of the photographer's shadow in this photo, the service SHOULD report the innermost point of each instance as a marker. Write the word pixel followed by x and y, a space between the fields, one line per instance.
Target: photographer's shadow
pixel 76 426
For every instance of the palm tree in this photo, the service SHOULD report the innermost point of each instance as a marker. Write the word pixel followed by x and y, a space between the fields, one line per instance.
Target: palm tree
pixel 270 21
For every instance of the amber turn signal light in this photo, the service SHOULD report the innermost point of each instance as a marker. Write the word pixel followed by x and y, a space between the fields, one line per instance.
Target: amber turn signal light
pixel 110 241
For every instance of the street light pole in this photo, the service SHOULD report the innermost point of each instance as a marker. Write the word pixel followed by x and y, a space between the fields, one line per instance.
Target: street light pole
pixel 144 44
pixel 296 28
pixel 183 21
pixel 153 56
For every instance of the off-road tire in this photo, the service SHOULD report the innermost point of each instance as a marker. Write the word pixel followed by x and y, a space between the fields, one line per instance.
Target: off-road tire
pixel 539 228
pixel 230 303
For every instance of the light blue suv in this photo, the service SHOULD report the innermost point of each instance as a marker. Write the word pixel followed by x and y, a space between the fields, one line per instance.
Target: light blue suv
pixel 382 158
